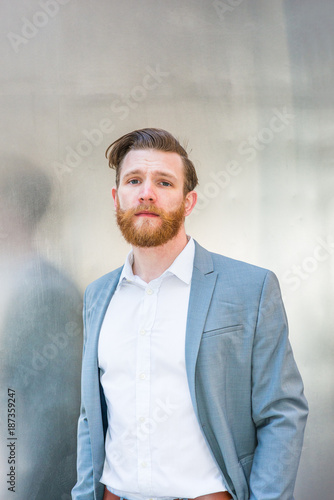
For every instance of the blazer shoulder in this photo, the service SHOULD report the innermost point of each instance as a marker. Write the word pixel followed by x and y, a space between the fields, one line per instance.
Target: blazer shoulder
pixel 247 279
pixel 223 262
pixel 233 269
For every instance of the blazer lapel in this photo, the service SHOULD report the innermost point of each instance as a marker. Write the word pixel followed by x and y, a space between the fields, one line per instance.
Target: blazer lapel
pixel 202 286
pixel 95 315
pixel 99 307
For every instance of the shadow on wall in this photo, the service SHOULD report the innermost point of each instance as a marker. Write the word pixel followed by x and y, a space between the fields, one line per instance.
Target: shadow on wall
pixel 40 347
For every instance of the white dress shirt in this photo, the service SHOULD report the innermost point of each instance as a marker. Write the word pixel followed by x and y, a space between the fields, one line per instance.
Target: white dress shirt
pixel 154 444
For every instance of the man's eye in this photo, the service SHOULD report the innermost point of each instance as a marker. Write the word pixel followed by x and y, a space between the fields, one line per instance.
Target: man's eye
pixel 133 181
pixel 165 183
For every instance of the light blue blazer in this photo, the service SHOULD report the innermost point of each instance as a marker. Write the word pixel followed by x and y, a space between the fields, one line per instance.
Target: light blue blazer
pixel 245 387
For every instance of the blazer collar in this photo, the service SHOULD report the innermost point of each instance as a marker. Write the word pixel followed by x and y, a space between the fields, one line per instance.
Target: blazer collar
pixel 202 263
pixel 203 260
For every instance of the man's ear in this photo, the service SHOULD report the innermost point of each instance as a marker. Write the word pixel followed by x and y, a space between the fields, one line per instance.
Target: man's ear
pixel 114 195
pixel 190 202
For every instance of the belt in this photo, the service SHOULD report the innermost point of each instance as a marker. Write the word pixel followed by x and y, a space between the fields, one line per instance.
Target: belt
pixel 220 495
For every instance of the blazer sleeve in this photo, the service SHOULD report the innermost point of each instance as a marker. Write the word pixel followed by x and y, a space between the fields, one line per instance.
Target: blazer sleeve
pixel 279 408
pixel 84 487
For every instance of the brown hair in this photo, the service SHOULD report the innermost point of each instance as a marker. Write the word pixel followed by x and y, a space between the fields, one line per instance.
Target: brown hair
pixel 150 138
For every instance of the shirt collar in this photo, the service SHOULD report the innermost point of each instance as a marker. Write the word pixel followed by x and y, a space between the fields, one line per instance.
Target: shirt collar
pixel 181 267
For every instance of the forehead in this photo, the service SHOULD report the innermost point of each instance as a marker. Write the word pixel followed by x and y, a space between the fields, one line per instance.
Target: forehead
pixel 150 160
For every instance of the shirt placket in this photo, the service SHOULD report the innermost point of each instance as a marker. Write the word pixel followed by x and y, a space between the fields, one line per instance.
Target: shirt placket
pixel 143 387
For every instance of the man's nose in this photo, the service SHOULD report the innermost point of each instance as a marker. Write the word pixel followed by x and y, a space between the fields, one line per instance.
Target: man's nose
pixel 147 192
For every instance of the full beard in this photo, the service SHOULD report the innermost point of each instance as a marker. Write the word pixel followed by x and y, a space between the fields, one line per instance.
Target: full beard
pixel 145 232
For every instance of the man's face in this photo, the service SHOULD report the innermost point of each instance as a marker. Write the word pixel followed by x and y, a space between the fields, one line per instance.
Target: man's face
pixel 150 202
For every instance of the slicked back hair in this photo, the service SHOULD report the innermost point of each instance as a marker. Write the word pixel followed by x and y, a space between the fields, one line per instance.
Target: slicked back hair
pixel 151 138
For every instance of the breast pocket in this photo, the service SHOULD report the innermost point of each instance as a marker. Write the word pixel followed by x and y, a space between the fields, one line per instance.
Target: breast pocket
pixel 221 331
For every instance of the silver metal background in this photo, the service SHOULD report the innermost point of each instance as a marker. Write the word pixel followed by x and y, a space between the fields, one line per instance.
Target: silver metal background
pixel 249 86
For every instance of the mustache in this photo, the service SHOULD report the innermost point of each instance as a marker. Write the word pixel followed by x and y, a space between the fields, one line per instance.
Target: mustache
pixel 152 209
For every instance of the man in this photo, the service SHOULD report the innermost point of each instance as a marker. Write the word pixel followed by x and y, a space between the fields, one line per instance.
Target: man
pixel 189 386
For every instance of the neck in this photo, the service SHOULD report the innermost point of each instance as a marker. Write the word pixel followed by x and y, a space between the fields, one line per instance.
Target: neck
pixel 150 263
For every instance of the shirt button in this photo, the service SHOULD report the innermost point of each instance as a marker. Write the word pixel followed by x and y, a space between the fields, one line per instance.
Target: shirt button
pixel 149 291
pixel 142 332
pixel 142 419
pixel 143 464
pixel 142 376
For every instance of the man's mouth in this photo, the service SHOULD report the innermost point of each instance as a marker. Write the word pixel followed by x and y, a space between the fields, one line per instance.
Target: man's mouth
pixel 145 213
